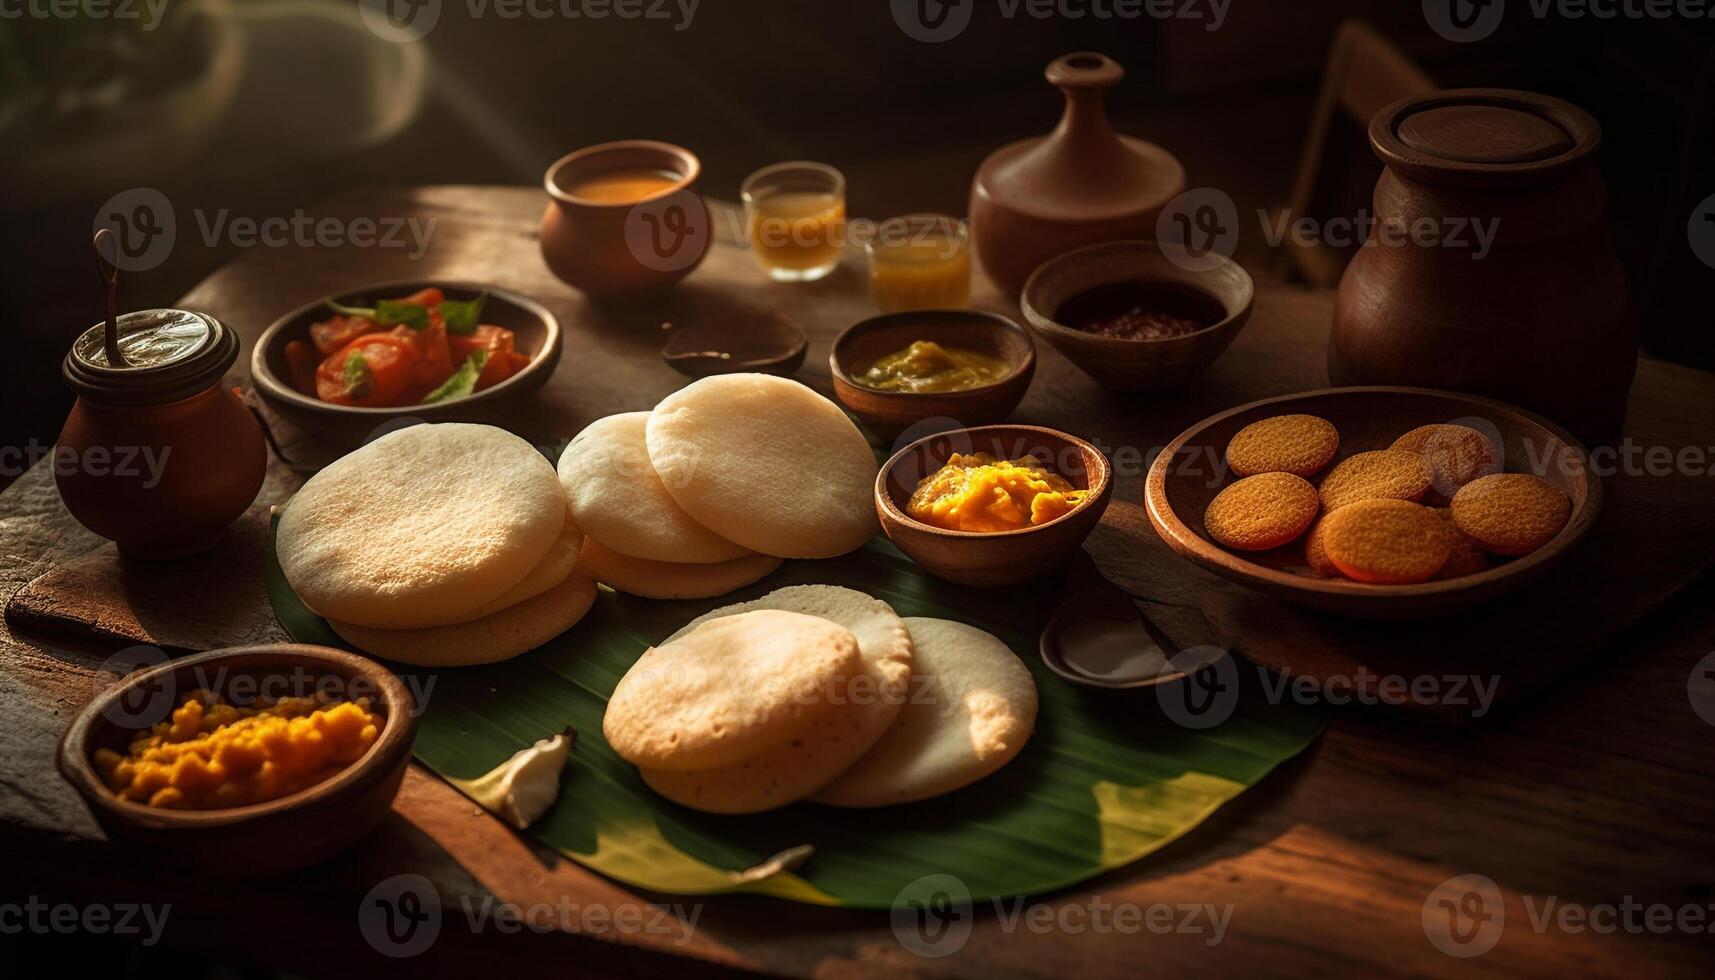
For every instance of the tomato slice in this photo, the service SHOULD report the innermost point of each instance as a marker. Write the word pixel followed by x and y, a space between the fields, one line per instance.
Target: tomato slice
pixel 301 362
pixel 335 333
pixel 384 376
pixel 424 297
pixel 434 358
pixel 503 361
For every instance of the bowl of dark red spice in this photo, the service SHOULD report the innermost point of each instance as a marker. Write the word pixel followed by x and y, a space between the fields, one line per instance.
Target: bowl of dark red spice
pixel 1135 319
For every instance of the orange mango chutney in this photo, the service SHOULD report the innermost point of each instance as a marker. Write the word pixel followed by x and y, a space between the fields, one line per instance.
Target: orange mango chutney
pixel 977 492
pixel 211 755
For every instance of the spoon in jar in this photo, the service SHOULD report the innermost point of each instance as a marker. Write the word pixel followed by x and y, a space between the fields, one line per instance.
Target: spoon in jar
pixel 107 271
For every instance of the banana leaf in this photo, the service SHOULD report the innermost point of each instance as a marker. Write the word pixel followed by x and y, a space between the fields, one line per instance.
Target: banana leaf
pixel 1105 780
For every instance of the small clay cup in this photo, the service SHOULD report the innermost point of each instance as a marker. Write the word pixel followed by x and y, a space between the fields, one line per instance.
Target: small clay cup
pixel 627 250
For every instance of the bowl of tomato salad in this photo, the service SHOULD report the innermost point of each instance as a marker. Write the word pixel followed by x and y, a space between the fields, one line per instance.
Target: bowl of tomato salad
pixel 436 351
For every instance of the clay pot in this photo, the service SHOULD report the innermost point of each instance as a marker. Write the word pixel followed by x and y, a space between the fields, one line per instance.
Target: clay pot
pixel 158 456
pixel 1079 185
pixel 1540 315
pixel 631 249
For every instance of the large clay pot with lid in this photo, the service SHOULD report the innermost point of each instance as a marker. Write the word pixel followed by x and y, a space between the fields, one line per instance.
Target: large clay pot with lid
pixel 1079 185
pixel 1538 316
pixel 157 455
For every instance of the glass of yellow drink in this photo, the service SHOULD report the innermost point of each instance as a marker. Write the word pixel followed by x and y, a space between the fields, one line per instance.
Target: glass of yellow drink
pixel 795 216
pixel 920 262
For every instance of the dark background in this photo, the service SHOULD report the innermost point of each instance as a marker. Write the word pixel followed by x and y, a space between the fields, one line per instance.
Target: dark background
pixel 749 83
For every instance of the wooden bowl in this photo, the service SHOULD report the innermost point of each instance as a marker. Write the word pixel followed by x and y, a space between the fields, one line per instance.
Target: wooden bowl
pixel 263 838
pixel 889 413
pixel 1001 557
pixel 1136 365
pixel 1191 470
pixel 537 334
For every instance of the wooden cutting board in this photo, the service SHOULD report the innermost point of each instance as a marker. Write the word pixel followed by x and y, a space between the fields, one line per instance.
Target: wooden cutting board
pixel 1657 532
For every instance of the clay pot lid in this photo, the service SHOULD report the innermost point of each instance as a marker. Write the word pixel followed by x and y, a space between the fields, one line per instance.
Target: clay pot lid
pixel 168 356
pixel 1480 137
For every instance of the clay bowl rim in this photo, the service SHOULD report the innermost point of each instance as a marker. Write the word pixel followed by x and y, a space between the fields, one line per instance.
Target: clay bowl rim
pixel 74 756
pixel 274 387
pixel 1200 550
pixel 1045 322
pixel 1097 496
pixel 1001 325
pixel 692 169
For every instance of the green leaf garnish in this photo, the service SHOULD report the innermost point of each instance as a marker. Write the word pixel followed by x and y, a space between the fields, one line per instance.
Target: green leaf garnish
pixel 462 382
pixel 387 313
pixel 461 315
pixel 391 312
pixel 358 380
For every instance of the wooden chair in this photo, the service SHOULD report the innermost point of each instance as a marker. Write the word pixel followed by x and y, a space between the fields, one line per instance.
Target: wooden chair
pixel 1365 73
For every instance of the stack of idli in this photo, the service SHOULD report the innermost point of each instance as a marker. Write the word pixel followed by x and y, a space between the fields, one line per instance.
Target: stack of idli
pixel 437 545
pixel 823 693
pixel 708 492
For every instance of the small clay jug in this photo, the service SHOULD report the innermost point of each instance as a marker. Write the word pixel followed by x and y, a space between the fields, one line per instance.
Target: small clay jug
pixel 157 455
pixel 1537 314
pixel 1079 185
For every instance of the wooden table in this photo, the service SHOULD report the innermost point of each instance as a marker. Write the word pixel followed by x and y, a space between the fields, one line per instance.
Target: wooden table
pixel 1595 790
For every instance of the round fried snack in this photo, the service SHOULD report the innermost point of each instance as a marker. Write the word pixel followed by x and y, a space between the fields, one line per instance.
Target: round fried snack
pixel 498 636
pixel 552 570
pixel 1511 513
pixel 1379 474
pixel 422 527
pixel 618 499
pixel 766 463
pixel 1387 542
pixel 1261 512
pixel 671 580
pixel 1316 550
pixel 1456 454
pixel 829 745
pixel 729 689
pixel 1298 444
pixel 972 709
pixel 1468 557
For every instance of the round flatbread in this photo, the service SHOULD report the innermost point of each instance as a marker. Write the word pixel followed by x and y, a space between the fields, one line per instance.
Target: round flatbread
pixel 618 499
pixel 729 689
pixel 671 580
pixel 495 637
pixel 827 746
pixel 422 527
pixel 558 563
pixel 767 463
pixel 972 708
